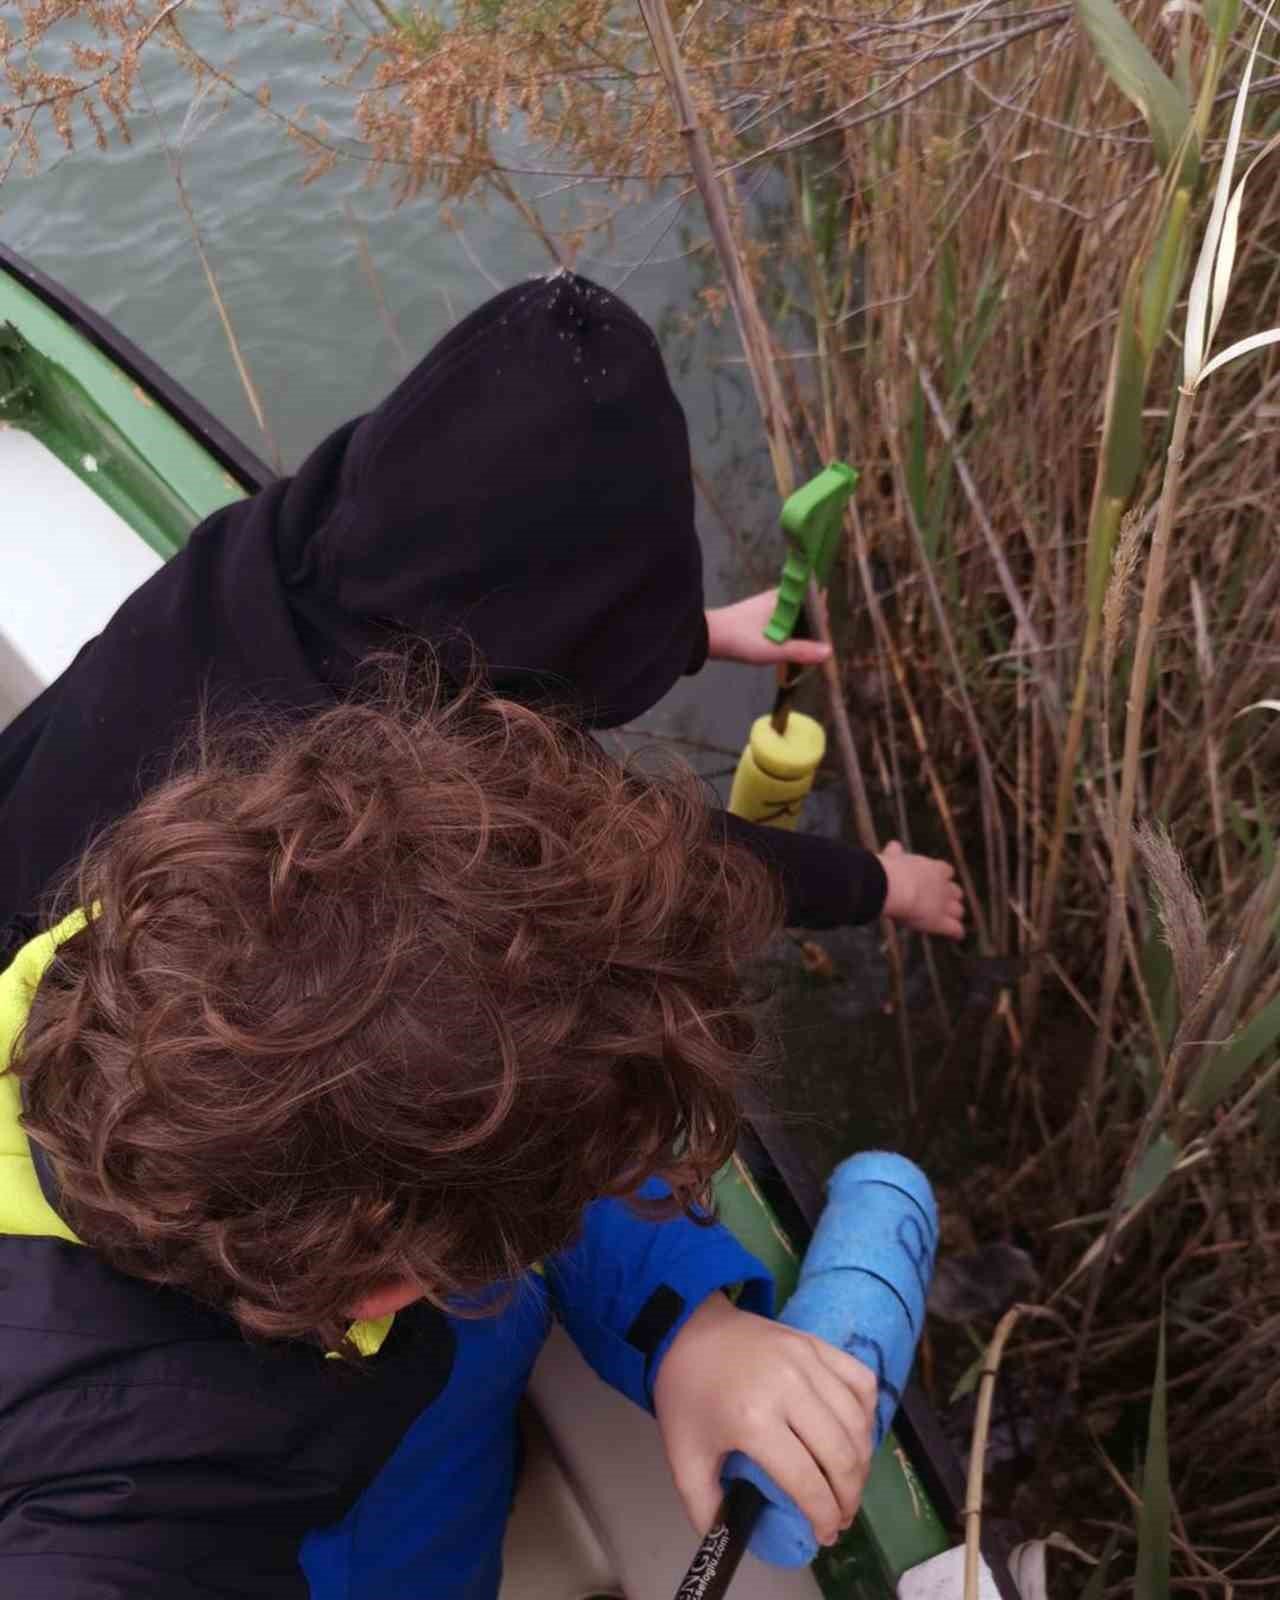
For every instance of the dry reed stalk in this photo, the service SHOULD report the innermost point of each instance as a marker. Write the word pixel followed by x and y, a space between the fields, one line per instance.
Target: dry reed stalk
pixel 1122 816
pixel 374 279
pixel 752 329
pixel 990 1371
pixel 978 1449
pixel 174 161
pixel 503 186
pixel 992 819
pixel 888 652
pixel 1011 590
pixel 857 787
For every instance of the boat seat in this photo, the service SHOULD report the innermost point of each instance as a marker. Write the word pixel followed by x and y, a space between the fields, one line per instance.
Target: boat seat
pixel 67 561
pixel 551 1551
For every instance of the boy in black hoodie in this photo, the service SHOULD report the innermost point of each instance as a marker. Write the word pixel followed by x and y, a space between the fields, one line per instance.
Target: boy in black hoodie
pixel 525 495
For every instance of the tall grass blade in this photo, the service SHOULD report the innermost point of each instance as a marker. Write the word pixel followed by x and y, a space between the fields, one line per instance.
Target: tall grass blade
pixel 1182 60
pixel 916 467
pixel 1207 275
pixel 1124 452
pixel 947 314
pixel 1163 277
pixel 1151 1580
pixel 1135 72
pixel 1222 16
pixel 1269 1114
pixel 1157 972
pixel 982 323
pixel 1242 347
pixel 1227 245
pixel 1096 1586
pixel 1152 1170
pixel 1223 265
pixel 1224 1069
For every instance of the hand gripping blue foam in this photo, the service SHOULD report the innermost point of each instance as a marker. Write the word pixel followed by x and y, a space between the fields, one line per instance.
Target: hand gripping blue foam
pixel 862 1287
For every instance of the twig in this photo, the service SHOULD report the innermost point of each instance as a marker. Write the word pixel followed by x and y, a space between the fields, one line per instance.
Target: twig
pixel 369 267
pixel 820 623
pixel 1013 595
pixel 889 652
pixel 503 184
pixel 981 1430
pixel 224 316
pixel 65 95
pixel 742 295
pixel 459 233
pixel 1122 818
pixel 727 525
pixel 992 820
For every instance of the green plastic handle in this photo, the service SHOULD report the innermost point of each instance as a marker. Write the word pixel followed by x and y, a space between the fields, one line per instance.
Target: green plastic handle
pixel 811 519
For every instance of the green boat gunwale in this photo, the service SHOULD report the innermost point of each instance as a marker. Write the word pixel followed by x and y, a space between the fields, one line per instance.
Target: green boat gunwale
pixel 248 470
pixel 792 1193
pixel 774 1197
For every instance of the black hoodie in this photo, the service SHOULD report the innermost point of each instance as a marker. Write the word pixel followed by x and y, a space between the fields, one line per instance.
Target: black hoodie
pixel 525 494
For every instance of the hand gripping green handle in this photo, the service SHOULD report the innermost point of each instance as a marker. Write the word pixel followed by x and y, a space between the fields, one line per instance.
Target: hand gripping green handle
pixel 811 518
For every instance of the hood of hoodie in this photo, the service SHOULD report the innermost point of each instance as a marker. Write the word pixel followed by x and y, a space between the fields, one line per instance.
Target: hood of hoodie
pixel 526 492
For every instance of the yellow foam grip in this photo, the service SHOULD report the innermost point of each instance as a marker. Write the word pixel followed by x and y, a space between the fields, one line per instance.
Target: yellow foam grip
pixel 776 770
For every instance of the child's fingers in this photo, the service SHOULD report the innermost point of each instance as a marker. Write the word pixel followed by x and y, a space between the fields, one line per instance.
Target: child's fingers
pixel 802 652
pixel 947 914
pixel 949 922
pixel 759 652
pixel 849 1389
pixel 845 1453
pixel 821 1429
pixel 790 1462
pixel 854 1376
pixel 697 1481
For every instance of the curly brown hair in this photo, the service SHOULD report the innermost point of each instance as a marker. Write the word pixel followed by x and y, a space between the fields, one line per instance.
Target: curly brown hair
pixel 391 994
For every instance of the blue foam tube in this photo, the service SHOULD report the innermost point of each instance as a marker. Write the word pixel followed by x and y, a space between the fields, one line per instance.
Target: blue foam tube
pixel 862 1287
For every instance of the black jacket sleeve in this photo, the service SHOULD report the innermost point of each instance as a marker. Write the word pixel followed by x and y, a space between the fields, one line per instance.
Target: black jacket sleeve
pixel 826 884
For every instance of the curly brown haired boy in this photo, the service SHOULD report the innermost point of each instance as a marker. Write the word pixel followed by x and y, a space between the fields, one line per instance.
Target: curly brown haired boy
pixel 390 1034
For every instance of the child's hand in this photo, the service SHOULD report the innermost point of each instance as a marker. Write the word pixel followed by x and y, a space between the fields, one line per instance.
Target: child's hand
pixel 800 1408
pixel 736 633
pixel 923 892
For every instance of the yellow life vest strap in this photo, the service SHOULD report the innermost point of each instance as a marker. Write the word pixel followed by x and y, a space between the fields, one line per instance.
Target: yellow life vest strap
pixel 23 1207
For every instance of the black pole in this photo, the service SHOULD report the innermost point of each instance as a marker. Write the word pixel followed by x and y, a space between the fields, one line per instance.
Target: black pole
pixel 712 1569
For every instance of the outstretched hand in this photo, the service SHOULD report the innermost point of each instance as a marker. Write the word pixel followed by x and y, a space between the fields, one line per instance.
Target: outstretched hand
pixel 736 633
pixel 923 893
pixel 801 1409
